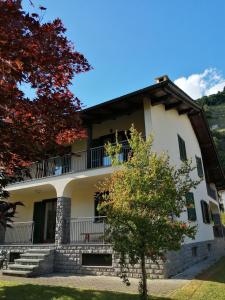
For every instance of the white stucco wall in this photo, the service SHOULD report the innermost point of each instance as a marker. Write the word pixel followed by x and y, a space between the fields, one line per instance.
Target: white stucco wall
pixel 165 126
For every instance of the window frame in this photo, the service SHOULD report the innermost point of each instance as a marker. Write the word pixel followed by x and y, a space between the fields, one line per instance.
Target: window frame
pixel 199 165
pixel 182 148
pixel 205 212
pixel 191 211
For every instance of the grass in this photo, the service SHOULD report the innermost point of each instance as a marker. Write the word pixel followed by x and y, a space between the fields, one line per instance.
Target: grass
pixel 21 291
pixel 210 285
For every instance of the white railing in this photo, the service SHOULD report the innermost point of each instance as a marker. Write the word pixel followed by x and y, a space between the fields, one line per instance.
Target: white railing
pixel 87 230
pixel 19 233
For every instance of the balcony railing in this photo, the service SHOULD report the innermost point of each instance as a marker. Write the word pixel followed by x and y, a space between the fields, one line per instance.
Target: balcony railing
pixel 87 230
pixel 20 233
pixel 211 192
pixel 72 163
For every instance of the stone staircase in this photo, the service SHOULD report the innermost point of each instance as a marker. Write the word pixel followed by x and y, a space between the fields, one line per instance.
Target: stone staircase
pixel 33 262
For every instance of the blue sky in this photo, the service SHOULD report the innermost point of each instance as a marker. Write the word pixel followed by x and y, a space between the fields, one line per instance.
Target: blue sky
pixel 130 42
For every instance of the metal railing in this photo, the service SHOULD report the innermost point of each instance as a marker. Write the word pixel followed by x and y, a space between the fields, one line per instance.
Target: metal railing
pixel 72 163
pixel 211 192
pixel 87 230
pixel 20 233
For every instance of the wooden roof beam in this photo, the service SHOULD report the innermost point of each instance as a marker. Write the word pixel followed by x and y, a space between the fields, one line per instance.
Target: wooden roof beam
pixel 172 105
pixel 160 100
pixel 185 110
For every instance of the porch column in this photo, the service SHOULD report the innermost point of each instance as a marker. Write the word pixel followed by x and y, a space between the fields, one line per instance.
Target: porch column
pixel 62 230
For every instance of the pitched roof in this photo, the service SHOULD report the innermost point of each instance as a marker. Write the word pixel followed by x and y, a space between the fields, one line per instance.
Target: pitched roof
pixel 172 97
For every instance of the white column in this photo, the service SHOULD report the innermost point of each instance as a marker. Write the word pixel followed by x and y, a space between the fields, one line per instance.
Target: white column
pixel 147 116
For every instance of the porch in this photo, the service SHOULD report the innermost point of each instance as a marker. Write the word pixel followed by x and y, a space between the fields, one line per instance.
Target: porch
pixel 86 230
pixel 47 218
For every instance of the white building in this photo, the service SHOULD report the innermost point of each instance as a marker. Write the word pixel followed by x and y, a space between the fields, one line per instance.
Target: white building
pixel 60 202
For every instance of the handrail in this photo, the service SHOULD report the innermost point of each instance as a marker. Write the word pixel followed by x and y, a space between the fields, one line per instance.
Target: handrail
pixel 71 163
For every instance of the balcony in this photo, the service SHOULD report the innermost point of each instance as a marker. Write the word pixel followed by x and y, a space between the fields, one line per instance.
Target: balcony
pixel 72 163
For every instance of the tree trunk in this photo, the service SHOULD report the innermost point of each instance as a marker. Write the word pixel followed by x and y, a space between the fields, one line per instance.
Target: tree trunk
pixel 143 284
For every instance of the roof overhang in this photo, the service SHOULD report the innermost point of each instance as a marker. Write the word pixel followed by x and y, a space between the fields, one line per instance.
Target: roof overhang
pixel 172 97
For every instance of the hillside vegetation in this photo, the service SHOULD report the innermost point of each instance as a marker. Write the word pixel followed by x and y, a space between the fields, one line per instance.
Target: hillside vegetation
pixel 214 107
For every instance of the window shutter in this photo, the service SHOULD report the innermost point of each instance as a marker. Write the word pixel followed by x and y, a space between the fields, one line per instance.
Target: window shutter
pixel 98 199
pixel 190 204
pixel 182 148
pixel 199 166
pixel 205 212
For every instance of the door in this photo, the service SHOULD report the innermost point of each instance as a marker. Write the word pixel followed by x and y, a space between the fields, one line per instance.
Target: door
pixel 50 221
pixel 44 218
pixel 39 212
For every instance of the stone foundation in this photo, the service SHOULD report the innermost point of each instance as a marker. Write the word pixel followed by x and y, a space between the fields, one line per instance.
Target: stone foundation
pixel 68 258
pixel 178 261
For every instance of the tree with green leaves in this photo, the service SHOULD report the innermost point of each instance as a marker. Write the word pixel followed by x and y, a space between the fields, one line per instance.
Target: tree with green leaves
pixel 143 200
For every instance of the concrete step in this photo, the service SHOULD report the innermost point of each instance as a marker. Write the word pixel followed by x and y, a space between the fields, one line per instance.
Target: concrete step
pixel 30 261
pixel 22 267
pixel 16 273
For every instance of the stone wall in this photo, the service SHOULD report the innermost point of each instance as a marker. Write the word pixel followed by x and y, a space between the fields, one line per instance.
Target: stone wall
pixel 178 261
pixel 68 258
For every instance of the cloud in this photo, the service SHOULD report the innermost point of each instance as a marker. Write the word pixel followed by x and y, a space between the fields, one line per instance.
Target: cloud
pixel 206 83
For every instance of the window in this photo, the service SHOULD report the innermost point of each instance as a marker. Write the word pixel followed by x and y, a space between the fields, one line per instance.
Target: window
pixel 96 259
pixel 199 166
pixel 190 204
pixel 99 198
pixel 205 212
pixel 182 148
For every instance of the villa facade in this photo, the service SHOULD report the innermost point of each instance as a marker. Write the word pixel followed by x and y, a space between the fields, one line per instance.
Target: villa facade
pixel 59 228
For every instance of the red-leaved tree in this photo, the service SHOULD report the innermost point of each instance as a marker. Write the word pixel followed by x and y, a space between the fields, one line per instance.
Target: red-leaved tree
pixel 39 54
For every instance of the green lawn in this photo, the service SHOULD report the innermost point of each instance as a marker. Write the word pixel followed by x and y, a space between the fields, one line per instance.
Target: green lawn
pixel 208 286
pixel 16 291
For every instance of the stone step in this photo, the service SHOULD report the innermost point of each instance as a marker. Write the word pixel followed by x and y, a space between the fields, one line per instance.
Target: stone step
pixel 16 273
pixel 30 261
pixel 33 255
pixel 37 250
pixel 22 267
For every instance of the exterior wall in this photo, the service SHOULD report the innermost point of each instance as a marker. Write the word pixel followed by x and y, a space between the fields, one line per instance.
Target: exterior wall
pixel 28 197
pixel 121 123
pixel 82 201
pixel 165 126
pixel 111 126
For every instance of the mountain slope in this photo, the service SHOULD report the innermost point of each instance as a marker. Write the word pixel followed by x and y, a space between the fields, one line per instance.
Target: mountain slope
pixel 214 107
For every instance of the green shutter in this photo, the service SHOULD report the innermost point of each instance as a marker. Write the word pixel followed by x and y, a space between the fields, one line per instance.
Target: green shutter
pixel 199 166
pixel 38 218
pixel 182 148
pixel 190 204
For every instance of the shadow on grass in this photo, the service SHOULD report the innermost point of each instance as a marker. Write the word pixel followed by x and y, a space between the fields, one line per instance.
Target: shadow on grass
pixel 215 273
pixel 37 292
